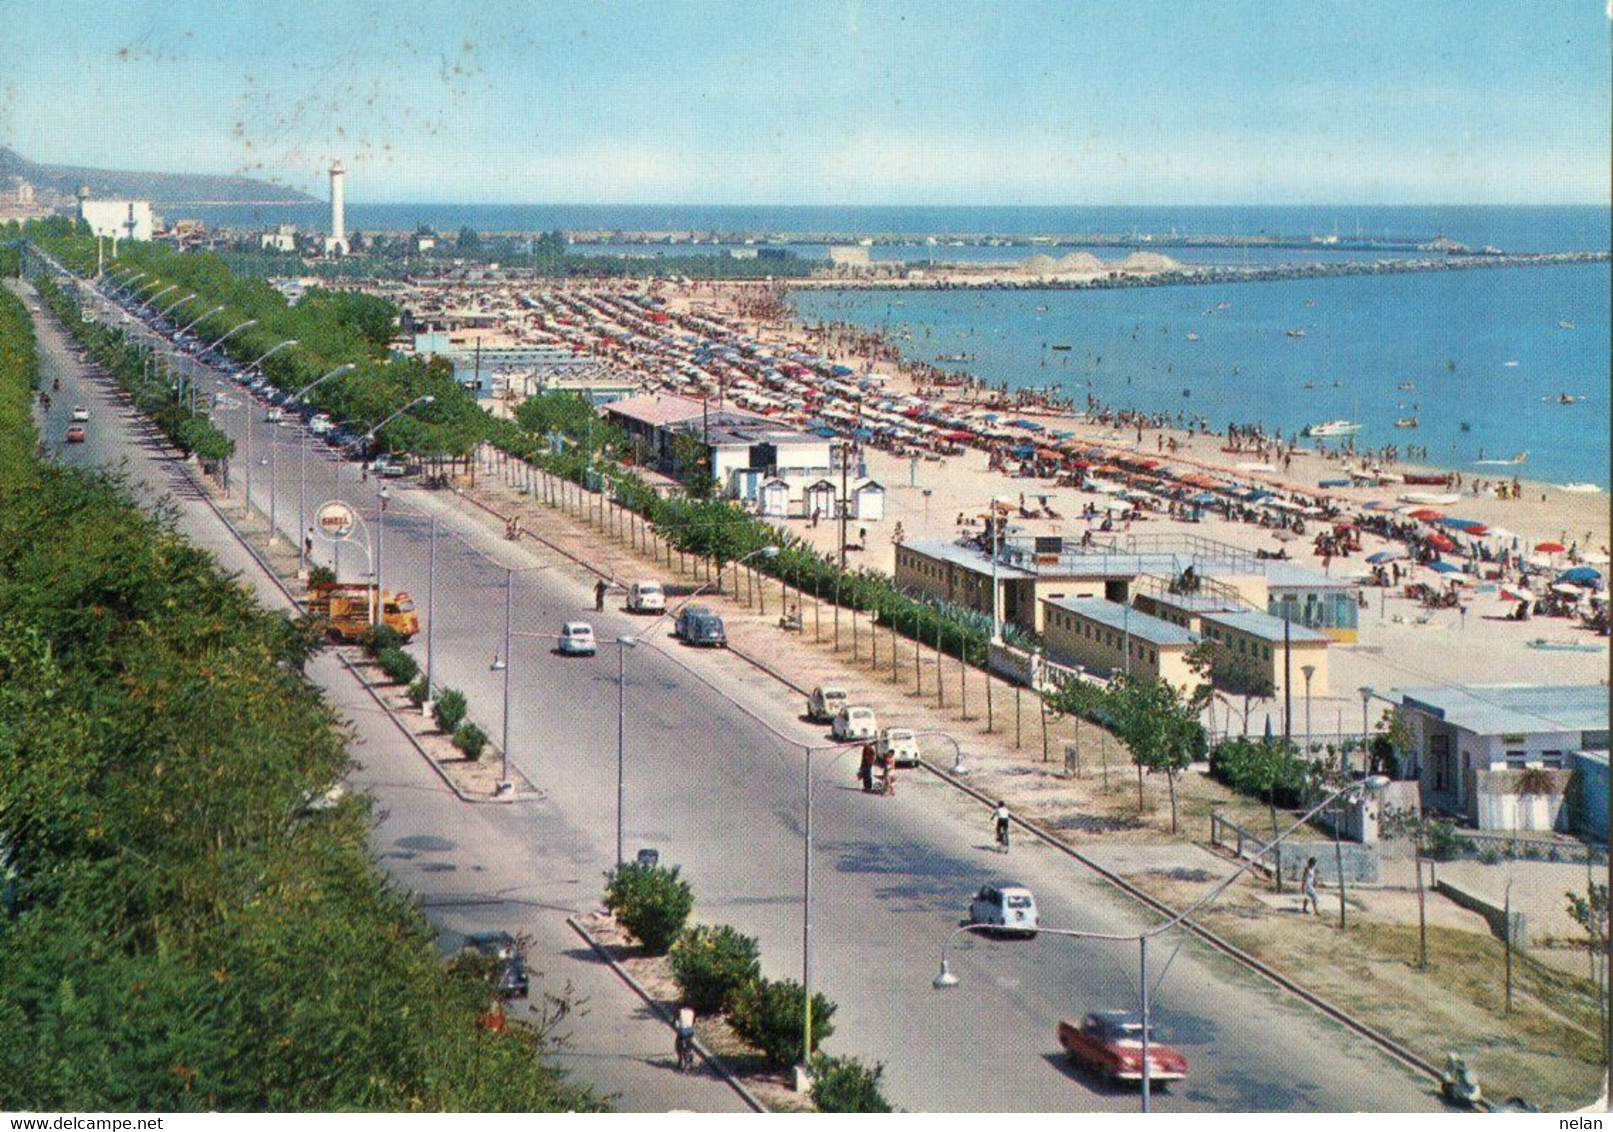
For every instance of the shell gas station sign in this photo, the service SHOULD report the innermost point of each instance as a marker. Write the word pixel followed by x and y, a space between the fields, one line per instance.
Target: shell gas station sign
pixel 335 521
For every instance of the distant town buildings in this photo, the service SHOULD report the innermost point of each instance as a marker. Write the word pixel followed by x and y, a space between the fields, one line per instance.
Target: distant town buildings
pixel 850 255
pixel 19 202
pixel 282 239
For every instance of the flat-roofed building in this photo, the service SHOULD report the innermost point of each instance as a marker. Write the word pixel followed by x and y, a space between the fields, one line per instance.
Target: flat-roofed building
pixel 1184 609
pixel 1258 639
pixel 1115 638
pixel 1501 755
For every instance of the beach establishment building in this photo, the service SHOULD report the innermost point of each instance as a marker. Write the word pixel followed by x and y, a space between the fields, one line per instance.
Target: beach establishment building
pixel 1111 637
pixel 118 219
pixel 1501 755
pixel 868 502
pixel 1260 639
pixel 743 450
pixel 1033 570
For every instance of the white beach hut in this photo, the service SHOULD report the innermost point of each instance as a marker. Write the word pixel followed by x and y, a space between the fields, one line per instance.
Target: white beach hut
pixel 869 500
pixel 773 499
pixel 820 499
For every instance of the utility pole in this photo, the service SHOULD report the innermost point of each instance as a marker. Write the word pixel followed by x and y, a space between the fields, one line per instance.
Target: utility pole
pixel 845 472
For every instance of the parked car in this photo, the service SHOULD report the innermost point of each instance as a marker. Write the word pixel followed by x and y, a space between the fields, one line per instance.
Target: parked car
pixel 80 413
pixel 852 723
pixel 1009 908
pixel 646 597
pixel 899 742
pixel 508 968
pixel 1110 1044
pixel 389 467
pixel 825 703
pixel 697 625
pixel 75 434
pixel 577 639
pixel 320 424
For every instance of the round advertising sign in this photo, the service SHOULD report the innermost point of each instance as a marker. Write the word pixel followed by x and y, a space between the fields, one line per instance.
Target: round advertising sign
pixel 335 521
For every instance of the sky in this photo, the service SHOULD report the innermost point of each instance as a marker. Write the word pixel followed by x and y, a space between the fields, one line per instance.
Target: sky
pixel 1078 102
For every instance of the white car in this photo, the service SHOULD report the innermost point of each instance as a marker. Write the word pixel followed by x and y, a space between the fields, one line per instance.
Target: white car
pixel 80 413
pixel 646 597
pixel 1008 908
pixel 853 723
pixel 825 703
pixel 275 414
pixel 577 639
pixel 320 425
pixel 901 743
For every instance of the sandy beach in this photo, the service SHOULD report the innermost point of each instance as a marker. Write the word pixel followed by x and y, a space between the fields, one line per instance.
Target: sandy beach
pixel 1401 644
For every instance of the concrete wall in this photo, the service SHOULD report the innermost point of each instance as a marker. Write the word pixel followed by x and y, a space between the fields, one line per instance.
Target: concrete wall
pixel 1360 861
pixel 1494 914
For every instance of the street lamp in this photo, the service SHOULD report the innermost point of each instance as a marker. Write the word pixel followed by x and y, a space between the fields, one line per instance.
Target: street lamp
pixel 228 334
pixel 380 522
pixel 1369 785
pixel 150 302
pixel 1366 696
pixel 302 472
pixel 1308 670
pixel 622 645
pixel 175 305
pixel 186 328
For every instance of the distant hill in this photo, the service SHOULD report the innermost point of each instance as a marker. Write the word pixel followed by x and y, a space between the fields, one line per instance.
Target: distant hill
pixel 159 188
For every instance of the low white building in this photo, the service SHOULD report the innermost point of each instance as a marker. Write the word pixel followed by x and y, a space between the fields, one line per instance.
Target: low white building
pixel 1500 755
pixel 773 499
pixel 869 502
pixel 118 219
pixel 820 500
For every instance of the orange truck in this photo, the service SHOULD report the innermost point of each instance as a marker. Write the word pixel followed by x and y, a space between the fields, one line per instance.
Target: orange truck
pixel 346 607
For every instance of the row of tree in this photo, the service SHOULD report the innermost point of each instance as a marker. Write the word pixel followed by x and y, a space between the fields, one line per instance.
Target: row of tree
pixel 184 923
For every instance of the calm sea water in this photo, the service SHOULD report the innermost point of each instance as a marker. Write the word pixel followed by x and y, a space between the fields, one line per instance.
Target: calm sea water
pixel 1449 334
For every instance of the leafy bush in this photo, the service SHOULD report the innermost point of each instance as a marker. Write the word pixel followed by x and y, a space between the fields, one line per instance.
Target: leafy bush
pixel 1260 770
pixel 399 666
pixel 651 902
pixel 1443 842
pixel 378 638
pixel 844 1084
pixel 321 576
pixel 419 692
pixel 712 962
pixel 451 709
pixel 471 740
pixel 769 1015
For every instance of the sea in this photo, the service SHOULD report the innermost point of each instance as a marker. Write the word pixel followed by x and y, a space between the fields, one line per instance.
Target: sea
pixel 1489 355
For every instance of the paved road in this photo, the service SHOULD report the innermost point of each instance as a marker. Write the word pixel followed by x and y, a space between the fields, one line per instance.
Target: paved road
pixel 716 783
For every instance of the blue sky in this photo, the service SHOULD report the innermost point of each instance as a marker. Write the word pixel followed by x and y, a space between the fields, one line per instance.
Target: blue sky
pixel 1134 102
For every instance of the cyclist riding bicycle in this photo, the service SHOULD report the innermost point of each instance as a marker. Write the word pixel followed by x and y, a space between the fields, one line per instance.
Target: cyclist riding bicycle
pixel 1000 816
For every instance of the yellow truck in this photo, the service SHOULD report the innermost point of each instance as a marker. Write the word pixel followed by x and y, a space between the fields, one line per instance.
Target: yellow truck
pixel 347 606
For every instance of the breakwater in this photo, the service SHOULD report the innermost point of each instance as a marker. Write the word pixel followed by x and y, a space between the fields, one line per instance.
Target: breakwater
pixel 1011 279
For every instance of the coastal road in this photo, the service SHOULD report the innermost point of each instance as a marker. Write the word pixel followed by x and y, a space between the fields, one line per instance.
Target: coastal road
pixel 715 782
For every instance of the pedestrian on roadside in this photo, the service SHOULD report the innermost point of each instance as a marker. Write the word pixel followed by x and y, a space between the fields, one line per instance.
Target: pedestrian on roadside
pixel 865 773
pixel 888 766
pixel 308 543
pixel 599 595
pixel 1307 889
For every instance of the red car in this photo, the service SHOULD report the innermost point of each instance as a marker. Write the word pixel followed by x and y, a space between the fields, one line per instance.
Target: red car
pixel 1109 1043
pixel 75 434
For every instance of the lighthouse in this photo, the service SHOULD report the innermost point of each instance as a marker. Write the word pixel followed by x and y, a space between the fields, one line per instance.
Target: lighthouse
pixel 337 243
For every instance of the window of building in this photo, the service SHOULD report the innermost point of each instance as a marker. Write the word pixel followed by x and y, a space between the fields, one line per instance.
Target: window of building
pixel 1516 759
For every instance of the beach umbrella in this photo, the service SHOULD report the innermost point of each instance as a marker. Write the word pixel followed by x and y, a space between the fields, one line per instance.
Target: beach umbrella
pixel 1393 554
pixel 1426 514
pixel 1441 543
pixel 1566 589
pixel 1516 593
pixel 1549 548
pixel 1584 575
pixel 1444 568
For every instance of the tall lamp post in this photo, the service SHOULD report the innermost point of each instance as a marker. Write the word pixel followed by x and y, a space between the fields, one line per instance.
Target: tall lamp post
pixel 1366 697
pixel 1308 670
pixel 246 375
pixel 622 645
pixel 946 978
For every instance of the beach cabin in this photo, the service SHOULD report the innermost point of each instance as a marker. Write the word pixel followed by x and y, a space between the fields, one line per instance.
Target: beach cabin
pixel 773 499
pixel 820 500
pixel 869 502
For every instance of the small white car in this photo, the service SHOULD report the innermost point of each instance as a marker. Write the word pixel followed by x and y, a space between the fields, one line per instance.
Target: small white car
pixel 1008 908
pixel 646 597
pixel 275 414
pixel 901 743
pixel 853 723
pixel 80 413
pixel 320 425
pixel 825 703
pixel 577 639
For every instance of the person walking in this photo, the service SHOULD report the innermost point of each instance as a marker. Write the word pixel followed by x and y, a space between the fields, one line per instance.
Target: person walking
pixel 865 773
pixel 599 595
pixel 1307 889
pixel 888 767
